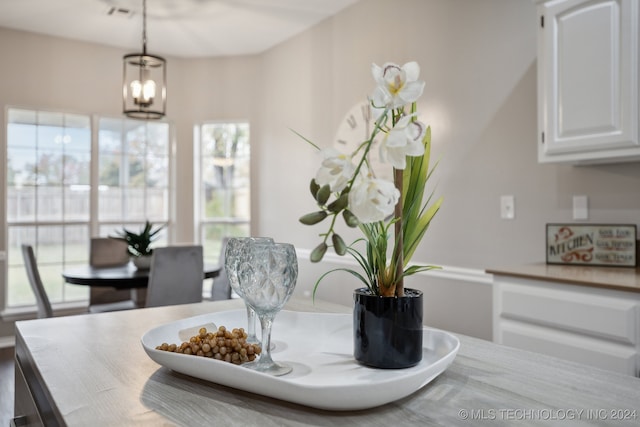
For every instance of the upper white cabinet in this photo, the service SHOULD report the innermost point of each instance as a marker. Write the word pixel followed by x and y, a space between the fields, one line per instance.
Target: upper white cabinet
pixel 588 81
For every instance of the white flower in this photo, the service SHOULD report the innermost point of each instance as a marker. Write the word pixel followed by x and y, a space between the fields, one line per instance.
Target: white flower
pixel 336 170
pixel 372 199
pixel 405 139
pixel 397 86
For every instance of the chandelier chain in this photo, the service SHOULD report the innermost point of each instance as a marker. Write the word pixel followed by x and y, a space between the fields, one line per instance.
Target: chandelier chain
pixel 144 27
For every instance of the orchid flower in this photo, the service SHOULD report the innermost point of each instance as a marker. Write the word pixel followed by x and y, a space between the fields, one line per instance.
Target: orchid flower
pixel 404 139
pixel 373 199
pixel 336 170
pixel 396 86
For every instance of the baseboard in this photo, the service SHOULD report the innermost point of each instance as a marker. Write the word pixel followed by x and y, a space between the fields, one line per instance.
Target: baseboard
pixel 6 342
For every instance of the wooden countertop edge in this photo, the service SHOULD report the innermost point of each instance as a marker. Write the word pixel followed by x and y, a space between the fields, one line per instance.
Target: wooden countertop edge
pixel 611 286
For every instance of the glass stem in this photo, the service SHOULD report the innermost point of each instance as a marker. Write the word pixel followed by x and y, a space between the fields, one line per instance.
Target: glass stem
pixel 251 326
pixel 266 321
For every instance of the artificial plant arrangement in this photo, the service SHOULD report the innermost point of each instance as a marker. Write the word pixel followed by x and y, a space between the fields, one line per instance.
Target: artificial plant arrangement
pixel 140 243
pixel 347 185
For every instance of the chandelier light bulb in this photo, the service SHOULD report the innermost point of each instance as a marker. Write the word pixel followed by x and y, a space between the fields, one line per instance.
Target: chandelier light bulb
pixel 148 91
pixel 143 93
pixel 136 90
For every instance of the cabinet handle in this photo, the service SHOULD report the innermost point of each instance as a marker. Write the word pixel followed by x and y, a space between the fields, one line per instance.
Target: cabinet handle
pixel 542 21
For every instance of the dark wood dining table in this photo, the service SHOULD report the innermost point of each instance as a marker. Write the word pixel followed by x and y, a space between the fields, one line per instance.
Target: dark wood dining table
pixel 121 277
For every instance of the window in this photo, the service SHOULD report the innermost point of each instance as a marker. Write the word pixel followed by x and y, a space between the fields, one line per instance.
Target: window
pixel 53 202
pixel 48 173
pixel 224 193
pixel 133 182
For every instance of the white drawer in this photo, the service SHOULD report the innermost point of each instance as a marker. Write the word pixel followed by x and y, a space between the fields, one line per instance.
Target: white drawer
pixel 564 345
pixel 580 310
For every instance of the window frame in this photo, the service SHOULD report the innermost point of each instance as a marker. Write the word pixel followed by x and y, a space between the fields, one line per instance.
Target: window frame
pixel 201 222
pixel 92 223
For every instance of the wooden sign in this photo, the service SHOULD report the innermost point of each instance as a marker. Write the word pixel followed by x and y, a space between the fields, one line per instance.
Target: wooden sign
pixel 611 245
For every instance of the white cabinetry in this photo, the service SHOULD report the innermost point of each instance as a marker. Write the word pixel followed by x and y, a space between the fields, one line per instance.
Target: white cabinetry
pixel 588 81
pixel 598 327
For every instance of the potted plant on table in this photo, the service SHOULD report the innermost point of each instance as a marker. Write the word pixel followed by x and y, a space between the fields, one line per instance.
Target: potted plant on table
pixel 387 317
pixel 140 243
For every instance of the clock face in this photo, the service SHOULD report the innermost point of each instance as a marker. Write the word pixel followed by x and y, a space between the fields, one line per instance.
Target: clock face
pixel 356 128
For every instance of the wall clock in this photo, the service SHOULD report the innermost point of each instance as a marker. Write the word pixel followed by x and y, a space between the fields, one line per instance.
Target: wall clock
pixel 353 130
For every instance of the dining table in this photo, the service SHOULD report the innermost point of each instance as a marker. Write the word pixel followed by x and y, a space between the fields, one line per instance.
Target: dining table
pixel 92 369
pixel 122 277
pixel 126 276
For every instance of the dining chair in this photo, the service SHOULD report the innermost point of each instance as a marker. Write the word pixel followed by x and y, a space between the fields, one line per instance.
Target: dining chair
pixel 176 276
pixel 107 252
pixel 42 300
pixel 220 289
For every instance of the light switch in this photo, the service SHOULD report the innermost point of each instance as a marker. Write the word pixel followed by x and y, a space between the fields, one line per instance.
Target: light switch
pixel 507 207
pixel 580 207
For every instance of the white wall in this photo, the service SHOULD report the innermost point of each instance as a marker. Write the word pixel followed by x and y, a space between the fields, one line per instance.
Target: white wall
pixel 478 59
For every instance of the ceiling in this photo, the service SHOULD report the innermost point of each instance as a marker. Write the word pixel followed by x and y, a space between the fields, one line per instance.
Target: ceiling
pixel 181 28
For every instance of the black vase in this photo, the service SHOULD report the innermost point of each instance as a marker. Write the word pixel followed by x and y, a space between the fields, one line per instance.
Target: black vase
pixel 387 331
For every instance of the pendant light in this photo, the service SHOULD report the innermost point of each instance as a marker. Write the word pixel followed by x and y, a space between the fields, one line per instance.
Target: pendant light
pixel 144 87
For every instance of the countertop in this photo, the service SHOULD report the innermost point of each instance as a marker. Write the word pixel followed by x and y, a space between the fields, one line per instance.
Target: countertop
pixel 615 278
pixel 92 370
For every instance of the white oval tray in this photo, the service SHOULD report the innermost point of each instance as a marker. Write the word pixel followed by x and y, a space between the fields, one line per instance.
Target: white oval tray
pixel 319 346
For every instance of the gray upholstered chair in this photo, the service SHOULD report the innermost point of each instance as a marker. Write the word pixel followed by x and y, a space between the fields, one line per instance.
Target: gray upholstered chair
pixel 176 276
pixel 42 300
pixel 220 289
pixel 106 252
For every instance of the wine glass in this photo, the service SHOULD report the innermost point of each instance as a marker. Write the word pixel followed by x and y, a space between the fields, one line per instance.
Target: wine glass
pixel 233 255
pixel 267 277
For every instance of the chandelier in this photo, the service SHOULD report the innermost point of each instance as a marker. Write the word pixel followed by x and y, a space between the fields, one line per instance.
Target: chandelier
pixel 144 87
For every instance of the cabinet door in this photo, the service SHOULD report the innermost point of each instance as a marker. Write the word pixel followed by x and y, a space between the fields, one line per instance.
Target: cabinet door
pixel 588 80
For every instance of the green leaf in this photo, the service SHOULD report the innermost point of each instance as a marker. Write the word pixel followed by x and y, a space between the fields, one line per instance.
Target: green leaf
pixel 350 219
pixel 338 244
pixel 323 194
pixel 348 270
pixel 318 252
pixel 139 243
pixel 417 215
pixel 314 187
pixel 339 204
pixel 313 217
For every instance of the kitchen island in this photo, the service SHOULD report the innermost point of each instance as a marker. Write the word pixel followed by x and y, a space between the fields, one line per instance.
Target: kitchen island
pixel 92 370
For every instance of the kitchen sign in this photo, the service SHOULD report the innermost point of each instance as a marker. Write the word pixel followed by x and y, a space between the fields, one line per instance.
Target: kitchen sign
pixel 611 245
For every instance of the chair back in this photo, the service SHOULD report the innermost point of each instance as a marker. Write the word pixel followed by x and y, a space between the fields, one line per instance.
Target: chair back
pixel 176 276
pixel 107 252
pixel 220 289
pixel 42 300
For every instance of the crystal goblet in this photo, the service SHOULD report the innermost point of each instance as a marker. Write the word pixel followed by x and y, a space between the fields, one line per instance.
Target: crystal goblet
pixel 267 278
pixel 234 254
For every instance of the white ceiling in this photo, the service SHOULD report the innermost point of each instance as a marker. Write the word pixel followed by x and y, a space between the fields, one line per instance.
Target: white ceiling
pixel 183 28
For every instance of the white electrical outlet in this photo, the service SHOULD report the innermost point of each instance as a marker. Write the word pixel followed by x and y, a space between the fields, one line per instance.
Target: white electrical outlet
pixel 507 207
pixel 580 207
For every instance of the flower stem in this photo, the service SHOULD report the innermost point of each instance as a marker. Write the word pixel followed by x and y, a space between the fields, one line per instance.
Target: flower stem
pixel 398 256
pixel 398 234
